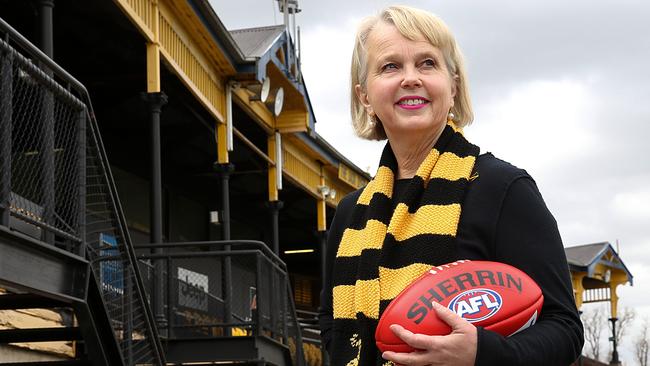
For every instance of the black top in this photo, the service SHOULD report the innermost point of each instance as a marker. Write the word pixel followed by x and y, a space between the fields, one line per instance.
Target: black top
pixel 503 219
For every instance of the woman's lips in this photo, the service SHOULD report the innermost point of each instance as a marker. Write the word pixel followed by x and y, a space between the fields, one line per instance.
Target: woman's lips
pixel 412 102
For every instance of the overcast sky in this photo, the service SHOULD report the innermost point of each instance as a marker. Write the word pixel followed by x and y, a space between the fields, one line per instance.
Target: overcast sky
pixel 559 88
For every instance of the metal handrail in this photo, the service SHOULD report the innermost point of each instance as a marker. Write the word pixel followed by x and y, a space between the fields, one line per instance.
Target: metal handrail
pixel 238 242
pixel 237 248
pixel 73 84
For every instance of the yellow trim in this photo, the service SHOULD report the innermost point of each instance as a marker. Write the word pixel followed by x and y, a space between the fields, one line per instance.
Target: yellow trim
pixel 142 14
pixel 292 120
pixel 321 213
pixel 222 144
pixel 370 237
pixel 382 183
pixel 294 116
pixel 349 176
pixel 190 63
pixel 424 221
pixel 153 68
pixel 273 184
pixel 578 289
pixel 614 299
pixel 256 110
pixel 393 281
pixel 300 167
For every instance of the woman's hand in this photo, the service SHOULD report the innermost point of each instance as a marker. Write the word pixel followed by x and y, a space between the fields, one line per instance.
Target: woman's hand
pixel 457 349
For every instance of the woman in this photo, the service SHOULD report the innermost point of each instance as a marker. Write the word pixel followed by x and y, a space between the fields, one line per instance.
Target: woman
pixel 434 200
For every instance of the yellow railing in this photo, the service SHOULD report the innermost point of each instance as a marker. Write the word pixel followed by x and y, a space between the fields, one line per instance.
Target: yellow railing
pixel 141 13
pixel 158 21
pixel 351 177
pixel 302 169
pixel 185 58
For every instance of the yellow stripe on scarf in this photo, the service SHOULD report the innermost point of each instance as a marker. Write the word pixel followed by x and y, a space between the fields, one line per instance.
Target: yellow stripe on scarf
pixel 449 166
pixel 381 183
pixel 364 296
pixel 361 297
pixel 393 281
pixel 370 237
pixel 429 219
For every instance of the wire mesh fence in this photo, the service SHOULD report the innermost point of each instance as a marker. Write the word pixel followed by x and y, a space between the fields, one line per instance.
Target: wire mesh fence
pixel 41 169
pixel 219 289
pixel 108 249
pixel 56 186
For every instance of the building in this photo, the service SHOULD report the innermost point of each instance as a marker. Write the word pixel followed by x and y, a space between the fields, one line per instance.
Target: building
pixel 159 139
pixel 165 160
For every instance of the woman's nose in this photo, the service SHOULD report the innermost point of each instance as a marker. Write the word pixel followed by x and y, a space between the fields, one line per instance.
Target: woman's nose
pixel 411 78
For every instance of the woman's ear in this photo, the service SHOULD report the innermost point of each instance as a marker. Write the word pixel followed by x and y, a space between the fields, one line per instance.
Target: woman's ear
pixel 363 98
pixel 454 85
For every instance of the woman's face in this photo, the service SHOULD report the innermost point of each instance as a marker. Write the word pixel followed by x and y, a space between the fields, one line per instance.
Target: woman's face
pixel 408 85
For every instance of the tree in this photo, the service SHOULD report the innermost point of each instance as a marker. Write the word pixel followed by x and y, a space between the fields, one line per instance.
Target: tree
pixel 593 321
pixel 641 344
pixel 623 323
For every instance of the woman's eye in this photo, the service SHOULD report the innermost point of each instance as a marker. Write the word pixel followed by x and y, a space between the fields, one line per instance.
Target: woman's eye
pixel 429 63
pixel 389 66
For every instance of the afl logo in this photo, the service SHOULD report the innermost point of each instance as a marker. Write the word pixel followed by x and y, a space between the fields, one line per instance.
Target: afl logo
pixel 476 304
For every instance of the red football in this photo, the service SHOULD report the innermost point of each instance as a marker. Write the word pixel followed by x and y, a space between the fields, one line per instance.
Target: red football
pixel 494 295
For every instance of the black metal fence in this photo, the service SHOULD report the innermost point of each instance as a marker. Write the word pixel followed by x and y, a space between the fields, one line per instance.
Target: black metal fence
pixel 42 143
pixel 55 185
pixel 223 288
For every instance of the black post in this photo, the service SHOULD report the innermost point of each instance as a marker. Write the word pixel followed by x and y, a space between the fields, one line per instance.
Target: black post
pixel 614 360
pixel 259 300
pixel 156 101
pixel 6 94
pixel 127 302
pixel 81 174
pixel 46 155
pixel 224 171
pixel 47 26
pixel 322 238
pixel 275 207
pixel 322 241
pixel 46 163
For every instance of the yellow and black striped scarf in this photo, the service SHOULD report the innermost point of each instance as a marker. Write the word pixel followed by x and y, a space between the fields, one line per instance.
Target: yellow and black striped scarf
pixel 382 250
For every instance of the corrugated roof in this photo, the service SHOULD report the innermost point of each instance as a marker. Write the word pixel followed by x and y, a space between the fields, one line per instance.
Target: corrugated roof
pixel 255 42
pixel 584 255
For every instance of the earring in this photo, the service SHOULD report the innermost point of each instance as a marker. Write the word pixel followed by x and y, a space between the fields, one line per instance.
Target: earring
pixel 371 121
pixel 450 116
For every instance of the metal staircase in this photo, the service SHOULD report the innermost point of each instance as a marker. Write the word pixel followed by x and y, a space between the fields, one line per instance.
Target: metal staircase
pixel 63 239
pixel 64 246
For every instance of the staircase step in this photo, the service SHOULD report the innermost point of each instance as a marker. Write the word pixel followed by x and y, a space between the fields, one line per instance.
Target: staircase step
pixel 28 301
pixel 39 335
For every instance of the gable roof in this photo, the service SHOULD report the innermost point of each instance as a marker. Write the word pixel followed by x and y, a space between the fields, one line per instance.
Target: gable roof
pixel 584 255
pixel 255 42
pixel 584 258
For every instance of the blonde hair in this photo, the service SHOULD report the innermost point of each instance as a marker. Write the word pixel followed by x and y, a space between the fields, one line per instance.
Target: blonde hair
pixel 412 23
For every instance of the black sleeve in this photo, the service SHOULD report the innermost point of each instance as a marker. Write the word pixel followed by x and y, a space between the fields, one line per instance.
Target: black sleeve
pixel 526 236
pixel 325 311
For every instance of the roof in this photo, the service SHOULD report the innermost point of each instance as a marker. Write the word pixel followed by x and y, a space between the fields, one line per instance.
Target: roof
pixel 255 42
pixel 584 255
pixel 216 28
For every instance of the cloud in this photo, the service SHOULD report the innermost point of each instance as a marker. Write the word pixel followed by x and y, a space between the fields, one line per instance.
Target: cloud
pixel 634 205
pixel 559 88
pixel 538 123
